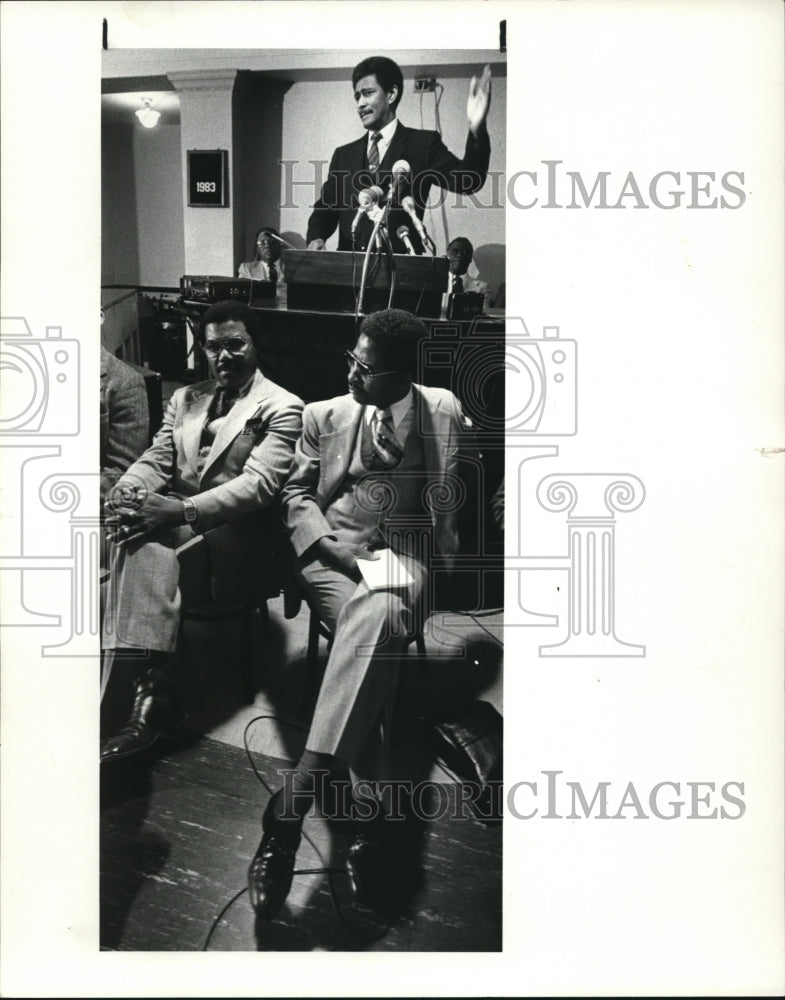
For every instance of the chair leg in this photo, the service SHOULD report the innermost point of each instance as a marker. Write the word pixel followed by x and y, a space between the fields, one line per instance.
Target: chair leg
pixel 386 728
pixel 248 671
pixel 313 641
pixel 312 681
pixel 107 665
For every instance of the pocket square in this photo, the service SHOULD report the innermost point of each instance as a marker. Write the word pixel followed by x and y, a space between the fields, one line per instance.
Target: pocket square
pixel 252 426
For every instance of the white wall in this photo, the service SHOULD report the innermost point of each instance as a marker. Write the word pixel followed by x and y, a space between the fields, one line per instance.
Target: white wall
pixel 159 204
pixel 119 240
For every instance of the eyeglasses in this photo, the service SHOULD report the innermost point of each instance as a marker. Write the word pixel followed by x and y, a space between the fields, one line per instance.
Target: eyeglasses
pixel 234 345
pixel 352 361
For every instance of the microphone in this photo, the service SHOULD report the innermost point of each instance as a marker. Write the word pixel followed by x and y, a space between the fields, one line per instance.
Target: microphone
pixel 402 232
pixel 366 199
pixel 400 170
pixel 407 204
pixel 280 239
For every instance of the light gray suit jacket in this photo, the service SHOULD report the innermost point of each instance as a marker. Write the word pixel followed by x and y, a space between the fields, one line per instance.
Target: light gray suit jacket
pixel 249 459
pixel 325 450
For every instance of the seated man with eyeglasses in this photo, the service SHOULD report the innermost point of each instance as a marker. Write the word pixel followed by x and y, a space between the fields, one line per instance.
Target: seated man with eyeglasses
pixel 371 471
pixel 222 454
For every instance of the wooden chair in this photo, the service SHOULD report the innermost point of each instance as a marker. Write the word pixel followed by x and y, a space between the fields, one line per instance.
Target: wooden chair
pixel 228 574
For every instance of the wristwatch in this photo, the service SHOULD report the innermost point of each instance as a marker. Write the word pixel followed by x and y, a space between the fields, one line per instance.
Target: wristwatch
pixel 190 512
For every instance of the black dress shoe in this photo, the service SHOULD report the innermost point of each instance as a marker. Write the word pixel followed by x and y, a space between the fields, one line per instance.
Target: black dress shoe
pixel 271 870
pixel 365 863
pixel 154 708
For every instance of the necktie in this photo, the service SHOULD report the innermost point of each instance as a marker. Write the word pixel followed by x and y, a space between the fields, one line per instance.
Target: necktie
pixel 387 452
pixel 373 152
pixel 457 283
pixel 223 401
pixel 272 271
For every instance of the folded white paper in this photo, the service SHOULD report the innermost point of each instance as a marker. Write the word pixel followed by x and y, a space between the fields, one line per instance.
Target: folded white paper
pixel 385 573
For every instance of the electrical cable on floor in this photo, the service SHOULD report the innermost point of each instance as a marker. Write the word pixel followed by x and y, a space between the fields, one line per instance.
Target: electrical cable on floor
pixel 487 613
pixel 324 870
pixel 220 916
pixel 488 632
pixel 474 615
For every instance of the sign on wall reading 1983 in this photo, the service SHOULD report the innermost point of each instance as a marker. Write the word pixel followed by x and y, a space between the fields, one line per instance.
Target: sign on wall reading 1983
pixel 207 171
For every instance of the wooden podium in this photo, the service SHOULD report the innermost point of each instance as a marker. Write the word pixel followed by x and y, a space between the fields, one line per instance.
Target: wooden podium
pixel 329 280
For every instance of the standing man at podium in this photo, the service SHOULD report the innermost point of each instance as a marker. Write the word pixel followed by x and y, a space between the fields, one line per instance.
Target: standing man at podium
pixel 378 87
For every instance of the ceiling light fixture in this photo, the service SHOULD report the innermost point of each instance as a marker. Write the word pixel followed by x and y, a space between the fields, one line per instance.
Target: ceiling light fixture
pixel 146 115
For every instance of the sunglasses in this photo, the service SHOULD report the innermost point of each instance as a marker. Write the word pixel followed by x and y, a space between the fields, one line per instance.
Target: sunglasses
pixel 354 362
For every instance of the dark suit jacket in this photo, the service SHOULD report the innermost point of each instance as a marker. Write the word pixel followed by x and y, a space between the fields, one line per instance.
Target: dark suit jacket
pixel 431 164
pixel 325 450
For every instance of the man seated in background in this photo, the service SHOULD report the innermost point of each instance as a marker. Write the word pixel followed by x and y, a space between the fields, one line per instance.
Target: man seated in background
pixel 125 419
pixel 222 454
pixel 389 437
pixel 460 253
pixel 266 265
pixel 377 83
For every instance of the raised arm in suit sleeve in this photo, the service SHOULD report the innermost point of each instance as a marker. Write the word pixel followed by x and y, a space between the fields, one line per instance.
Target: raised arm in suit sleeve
pixel 302 515
pixel 465 176
pixel 264 472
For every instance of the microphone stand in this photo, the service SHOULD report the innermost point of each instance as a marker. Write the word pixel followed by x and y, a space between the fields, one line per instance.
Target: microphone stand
pixel 378 235
pixel 385 233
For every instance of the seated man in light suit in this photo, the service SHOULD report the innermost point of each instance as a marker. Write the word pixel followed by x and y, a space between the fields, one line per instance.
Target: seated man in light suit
pixel 390 436
pixel 222 454
pixel 267 264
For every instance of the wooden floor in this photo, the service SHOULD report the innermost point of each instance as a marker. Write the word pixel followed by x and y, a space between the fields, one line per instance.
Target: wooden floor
pixel 179 830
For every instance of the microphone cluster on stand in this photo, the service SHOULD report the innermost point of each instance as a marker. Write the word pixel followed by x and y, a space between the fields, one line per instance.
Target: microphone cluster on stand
pixel 376 204
pixel 367 199
pixel 402 232
pixel 407 204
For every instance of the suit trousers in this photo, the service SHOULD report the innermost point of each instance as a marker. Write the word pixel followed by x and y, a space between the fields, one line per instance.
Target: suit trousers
pixel 142 600
pixel 370 633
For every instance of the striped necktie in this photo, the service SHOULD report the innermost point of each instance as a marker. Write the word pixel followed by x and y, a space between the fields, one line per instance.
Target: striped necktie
pixel 373 152
pixel 387 451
